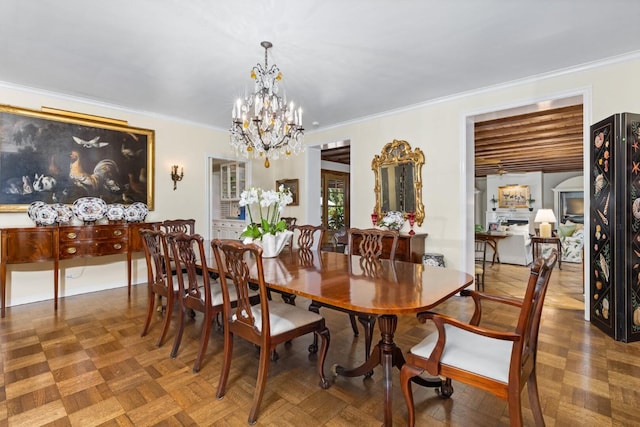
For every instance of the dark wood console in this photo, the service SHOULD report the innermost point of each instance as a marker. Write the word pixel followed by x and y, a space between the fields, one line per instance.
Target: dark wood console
pixel 410 247
pixel 43 244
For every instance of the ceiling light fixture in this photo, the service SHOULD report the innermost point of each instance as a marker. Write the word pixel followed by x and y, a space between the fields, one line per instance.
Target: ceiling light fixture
pixel 264 124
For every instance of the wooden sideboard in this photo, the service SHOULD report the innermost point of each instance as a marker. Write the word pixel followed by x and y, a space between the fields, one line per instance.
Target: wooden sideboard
pixel 410 247
pixel 45 244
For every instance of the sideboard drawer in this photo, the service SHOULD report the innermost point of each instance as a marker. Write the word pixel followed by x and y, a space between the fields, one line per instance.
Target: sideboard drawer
pixel 75 234
pixel 99 248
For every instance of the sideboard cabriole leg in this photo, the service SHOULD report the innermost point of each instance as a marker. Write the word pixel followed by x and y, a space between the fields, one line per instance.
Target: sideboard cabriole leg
pixel 3 269
pixel 3 277
pixel 129 273
pixel 56 266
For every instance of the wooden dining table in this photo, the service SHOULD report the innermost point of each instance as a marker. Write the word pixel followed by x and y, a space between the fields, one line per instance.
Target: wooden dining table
pixel 339 280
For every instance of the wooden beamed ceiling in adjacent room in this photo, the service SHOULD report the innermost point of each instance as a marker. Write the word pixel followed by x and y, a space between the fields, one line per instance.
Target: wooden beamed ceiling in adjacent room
pixel 547 141
pixel 338 155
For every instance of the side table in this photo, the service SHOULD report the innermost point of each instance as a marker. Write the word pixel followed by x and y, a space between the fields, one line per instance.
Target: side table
pixel 536 246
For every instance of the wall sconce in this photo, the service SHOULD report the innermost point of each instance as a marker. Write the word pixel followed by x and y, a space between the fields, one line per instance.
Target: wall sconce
pixel 175 176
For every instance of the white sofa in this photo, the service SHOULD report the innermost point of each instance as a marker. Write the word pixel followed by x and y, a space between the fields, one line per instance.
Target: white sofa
pixel 515 248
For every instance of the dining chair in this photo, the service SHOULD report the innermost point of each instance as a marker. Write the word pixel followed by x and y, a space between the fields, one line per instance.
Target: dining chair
pixel 159 283
pixel 370 247
pixel 266 324
pixel 196 291
pixel 178 226
pixel 495 361
pixel 290 222
pixel 309 237
pixel 340 239
pixel 187 226
pixel 480 251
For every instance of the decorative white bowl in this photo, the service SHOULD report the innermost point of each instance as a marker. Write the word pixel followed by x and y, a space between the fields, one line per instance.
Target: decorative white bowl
pixel 115 212
pixel 33 208
pixel 46 215
pixel 136 212
pixel 65 214
pixel 90 209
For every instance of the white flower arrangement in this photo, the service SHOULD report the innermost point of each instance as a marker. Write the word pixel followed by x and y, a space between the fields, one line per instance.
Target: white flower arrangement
pixel 393 220
pixel 270 205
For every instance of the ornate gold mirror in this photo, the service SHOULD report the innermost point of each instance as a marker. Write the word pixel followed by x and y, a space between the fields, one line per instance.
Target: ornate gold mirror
pixel 398 173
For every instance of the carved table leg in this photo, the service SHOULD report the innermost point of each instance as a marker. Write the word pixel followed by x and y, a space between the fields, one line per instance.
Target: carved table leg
pixel 385 353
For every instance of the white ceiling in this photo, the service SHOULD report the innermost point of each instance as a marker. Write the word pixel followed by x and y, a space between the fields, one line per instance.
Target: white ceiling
pixel 341 59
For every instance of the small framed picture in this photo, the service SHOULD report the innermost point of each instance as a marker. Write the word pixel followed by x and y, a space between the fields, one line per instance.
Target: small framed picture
pixel 291 185
pixel 513 196
pixel 494 226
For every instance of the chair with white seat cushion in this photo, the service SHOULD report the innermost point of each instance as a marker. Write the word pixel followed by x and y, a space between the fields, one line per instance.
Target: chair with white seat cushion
pixel 494 361
pixel 197 291
pixel 159 283
pixel 266 324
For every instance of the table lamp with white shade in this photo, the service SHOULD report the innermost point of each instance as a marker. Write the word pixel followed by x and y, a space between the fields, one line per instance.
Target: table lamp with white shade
pixel 544 217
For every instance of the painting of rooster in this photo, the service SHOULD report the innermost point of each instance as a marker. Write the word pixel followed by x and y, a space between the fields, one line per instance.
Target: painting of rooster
pixel 57 159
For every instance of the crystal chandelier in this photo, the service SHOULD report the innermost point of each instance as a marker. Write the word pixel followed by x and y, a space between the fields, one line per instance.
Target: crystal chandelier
pixel 264 124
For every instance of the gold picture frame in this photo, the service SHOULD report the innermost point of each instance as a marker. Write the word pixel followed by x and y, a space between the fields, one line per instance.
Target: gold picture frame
pixel 513 196
pixel 60 156
pixel 293 186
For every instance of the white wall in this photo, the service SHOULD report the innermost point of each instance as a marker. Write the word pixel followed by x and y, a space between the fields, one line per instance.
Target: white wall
pixel 438 128
pixel 541 190
pixel 176 142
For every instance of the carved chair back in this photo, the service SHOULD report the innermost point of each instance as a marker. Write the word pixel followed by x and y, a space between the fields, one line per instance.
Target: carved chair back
pixel 186 226
pixel 159 283
pixel 306 238
pixel 369 244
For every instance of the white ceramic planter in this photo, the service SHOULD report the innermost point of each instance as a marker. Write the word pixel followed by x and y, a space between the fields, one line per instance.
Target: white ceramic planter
pixel 272 244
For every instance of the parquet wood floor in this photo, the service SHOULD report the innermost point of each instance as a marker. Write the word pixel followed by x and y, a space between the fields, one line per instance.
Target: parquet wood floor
pixel 86 365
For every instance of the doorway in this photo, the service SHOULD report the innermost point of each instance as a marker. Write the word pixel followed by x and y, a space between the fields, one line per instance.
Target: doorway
pixel 227 179
pixel 582 98
pixel 334 204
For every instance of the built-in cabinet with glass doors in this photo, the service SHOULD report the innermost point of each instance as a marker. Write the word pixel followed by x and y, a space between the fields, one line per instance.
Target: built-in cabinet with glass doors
pixel 229 220
pixel 232 180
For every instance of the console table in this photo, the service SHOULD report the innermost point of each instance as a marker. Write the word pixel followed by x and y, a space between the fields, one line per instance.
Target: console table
pixel 492 240
pixel 410 247
pixel 42 244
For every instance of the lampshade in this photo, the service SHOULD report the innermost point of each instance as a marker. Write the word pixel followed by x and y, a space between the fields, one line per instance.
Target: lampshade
pixel 545 215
